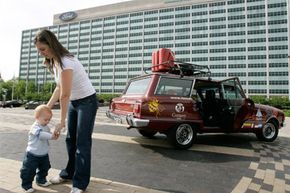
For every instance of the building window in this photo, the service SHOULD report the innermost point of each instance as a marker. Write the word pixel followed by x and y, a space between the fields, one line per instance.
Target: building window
pixel 257 91
pixel 257 82
pixel 257 74
pixel 278 91
pixel 238 74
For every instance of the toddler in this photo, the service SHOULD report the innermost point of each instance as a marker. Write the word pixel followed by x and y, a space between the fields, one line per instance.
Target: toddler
pixel 36 160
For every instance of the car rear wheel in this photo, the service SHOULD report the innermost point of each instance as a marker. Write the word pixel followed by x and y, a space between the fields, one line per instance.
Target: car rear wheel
pixel 182 136
pixel 148 134
pixel 269 132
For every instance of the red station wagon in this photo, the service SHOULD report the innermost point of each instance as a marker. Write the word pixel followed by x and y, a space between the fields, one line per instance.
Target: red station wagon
pixel 179 102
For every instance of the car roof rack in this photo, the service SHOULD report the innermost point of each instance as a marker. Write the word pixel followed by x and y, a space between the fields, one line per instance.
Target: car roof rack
pixel 183 69
pixel 163 61
pixel 189 69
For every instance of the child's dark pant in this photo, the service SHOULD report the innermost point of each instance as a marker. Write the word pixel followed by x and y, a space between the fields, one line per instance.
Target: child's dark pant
pixel 34 165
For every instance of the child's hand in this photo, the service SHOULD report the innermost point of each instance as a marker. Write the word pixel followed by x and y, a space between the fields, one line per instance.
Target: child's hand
pixel 55 134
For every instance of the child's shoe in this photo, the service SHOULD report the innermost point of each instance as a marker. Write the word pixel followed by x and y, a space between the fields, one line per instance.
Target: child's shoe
pixel 76 190
pixel 29 190
pixel 45 184
pixel 57 180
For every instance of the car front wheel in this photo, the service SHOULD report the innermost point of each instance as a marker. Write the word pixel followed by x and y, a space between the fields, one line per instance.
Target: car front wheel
pixel 269 132
pixel 182 136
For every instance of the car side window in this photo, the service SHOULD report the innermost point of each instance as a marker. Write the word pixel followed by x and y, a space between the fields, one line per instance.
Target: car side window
pixel 195 96
pixel 231 92
pixel 214 90
pixel 174 87
pixel 138 86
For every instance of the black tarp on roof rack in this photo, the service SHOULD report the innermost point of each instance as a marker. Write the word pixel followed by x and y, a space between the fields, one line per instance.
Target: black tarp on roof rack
pixel 185 69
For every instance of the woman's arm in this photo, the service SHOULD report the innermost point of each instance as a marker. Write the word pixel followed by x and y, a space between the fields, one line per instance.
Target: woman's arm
pixel 54 97
pixel 64 97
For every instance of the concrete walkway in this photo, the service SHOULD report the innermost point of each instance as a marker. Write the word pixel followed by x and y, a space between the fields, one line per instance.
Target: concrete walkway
pixel 10 182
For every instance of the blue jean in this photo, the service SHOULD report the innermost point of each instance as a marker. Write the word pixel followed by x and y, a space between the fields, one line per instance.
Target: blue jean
pixel 81 119
pixel 34 165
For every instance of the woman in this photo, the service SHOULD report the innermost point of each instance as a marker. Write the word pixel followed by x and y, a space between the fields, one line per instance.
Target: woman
pixel 78 103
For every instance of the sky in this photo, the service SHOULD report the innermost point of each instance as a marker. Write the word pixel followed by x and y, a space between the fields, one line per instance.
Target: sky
pixel 19 15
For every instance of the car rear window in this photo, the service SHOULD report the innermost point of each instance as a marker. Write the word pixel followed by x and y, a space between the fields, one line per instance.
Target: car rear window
pixel 138 86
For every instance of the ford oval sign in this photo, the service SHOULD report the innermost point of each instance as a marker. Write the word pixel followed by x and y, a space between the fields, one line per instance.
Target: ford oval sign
pixel 67 16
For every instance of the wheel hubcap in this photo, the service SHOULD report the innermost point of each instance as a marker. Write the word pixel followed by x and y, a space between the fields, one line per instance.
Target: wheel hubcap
pixel 184 134
pixel 269 131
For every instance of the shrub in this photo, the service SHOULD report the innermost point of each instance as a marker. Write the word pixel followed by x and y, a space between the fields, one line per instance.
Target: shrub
pixel 281 102
pixel 287 112
pixel 106 97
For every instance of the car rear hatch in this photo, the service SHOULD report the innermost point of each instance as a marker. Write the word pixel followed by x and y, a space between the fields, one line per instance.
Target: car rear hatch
pixel 131 100
pixel 125 105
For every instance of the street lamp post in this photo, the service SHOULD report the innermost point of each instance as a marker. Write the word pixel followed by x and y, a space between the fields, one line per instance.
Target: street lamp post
pixel 39 89
pixel 43 81
pixel 12 94
pixel 4 90
pixel 51 86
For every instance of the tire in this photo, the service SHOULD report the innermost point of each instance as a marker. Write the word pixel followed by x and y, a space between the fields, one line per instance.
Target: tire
pixel 269 132
pixel 182 136
pixel 146 133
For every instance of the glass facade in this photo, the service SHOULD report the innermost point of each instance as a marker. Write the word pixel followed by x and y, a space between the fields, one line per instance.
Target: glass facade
pixel 244 38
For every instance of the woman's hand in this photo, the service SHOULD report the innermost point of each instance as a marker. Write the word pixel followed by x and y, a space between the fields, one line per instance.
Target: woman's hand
pixel 55 135
pixel 59 127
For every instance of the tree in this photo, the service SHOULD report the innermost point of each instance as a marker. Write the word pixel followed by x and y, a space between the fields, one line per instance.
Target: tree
pixel 20 89
pixel 5 90
pixel 48 87
pixel 31 87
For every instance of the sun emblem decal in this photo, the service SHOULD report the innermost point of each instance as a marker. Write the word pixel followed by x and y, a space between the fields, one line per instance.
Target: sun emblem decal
pixel 155 107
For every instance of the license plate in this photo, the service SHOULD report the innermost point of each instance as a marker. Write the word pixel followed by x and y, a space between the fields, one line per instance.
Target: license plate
pixel 118 120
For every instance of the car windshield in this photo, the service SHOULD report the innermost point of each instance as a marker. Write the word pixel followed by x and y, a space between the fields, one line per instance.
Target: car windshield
pixel 138 86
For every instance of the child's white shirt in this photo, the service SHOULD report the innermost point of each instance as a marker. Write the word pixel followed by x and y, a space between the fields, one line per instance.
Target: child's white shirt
pixel 38 137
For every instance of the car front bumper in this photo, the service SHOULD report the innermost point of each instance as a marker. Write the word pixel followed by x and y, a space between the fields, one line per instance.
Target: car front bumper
pixel 128 120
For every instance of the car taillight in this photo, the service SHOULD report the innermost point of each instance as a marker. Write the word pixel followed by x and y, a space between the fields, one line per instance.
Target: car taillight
pixel 137 110
pixel 112 106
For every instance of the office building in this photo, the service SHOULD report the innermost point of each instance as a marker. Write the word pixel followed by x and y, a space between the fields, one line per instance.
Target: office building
pixel 244 38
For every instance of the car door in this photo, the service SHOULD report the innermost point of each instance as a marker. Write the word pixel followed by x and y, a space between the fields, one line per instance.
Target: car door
pixel 235 103
pixel 174 101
